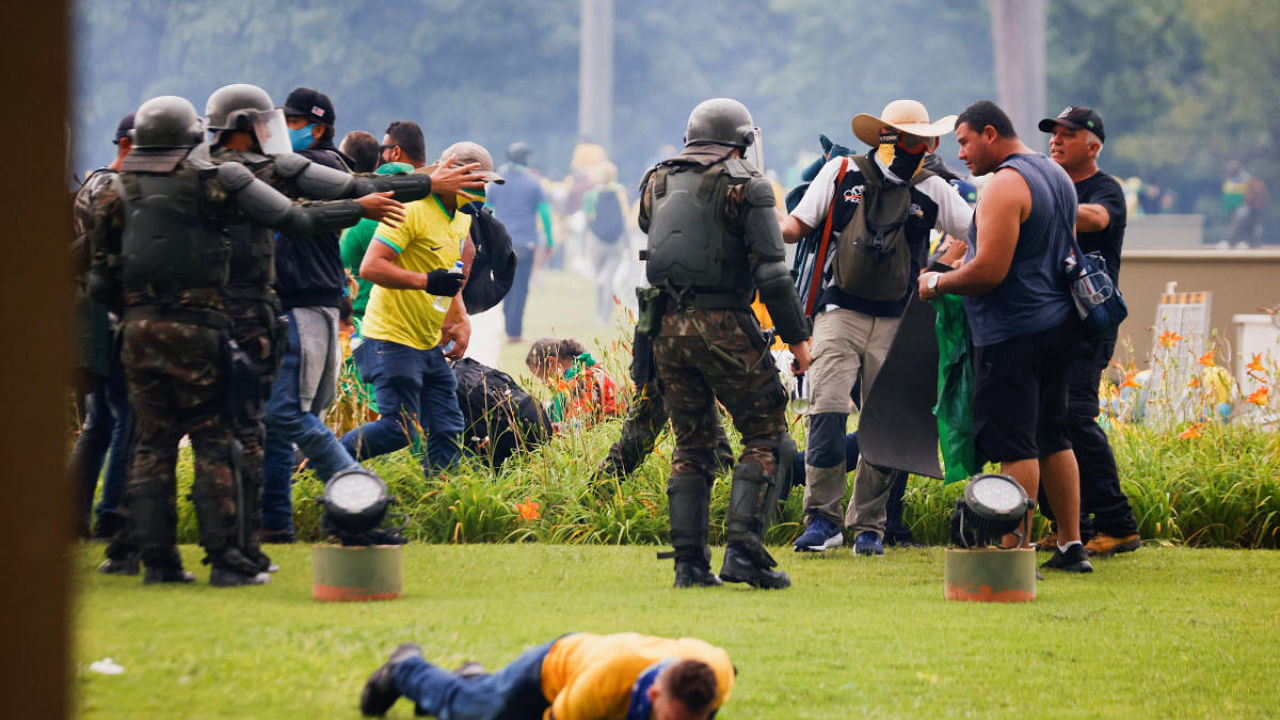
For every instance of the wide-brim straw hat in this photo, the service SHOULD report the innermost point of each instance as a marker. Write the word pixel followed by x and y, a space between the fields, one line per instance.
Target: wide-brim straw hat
pixel 908 116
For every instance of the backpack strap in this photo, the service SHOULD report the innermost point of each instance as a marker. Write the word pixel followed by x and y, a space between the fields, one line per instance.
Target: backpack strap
pixel 821 260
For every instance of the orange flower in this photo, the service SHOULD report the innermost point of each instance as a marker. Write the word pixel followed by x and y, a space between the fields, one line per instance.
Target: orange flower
pixel 1168 339
pixel 1259 396
pixel 1207 359
pixel 1255 365
pixel 1192 432
pixel 1128 379
pixel 1195 382
pixel 529 510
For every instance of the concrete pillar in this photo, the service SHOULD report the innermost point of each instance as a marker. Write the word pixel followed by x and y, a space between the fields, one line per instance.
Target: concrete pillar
pixel 1018 36
pixel 595 73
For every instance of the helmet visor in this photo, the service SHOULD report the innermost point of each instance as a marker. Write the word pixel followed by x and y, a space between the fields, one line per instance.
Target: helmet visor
pixel 754 153
pixel 272 132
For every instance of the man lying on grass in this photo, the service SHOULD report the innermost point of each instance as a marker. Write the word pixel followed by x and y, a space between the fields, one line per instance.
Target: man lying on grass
pixel 580 676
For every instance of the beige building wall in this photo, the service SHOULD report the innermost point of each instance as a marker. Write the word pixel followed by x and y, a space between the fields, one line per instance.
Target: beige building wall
pixel 1242 281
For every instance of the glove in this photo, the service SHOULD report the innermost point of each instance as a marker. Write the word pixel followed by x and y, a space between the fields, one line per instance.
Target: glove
pixel 443 282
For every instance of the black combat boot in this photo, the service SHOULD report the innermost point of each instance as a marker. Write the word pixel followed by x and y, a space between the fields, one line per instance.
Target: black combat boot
pixel 752 566
pixel 165 567
pixel 218 531
pixel 693 568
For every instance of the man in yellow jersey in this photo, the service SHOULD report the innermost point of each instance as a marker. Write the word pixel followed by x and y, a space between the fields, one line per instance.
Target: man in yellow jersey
pixel 416 318
pixel 580 676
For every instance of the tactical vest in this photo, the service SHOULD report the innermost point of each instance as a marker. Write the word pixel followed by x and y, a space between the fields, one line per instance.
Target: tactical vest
pixel 252 265
pixel 690 244
pixel 170 242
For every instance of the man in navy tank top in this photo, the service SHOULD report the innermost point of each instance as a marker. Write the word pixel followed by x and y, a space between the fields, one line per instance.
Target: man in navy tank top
pixel 1021 316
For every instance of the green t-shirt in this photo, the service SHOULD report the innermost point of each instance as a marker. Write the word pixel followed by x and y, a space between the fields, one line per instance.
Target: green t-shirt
pixel 355 241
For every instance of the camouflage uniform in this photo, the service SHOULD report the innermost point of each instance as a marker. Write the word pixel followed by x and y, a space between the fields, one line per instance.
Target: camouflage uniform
pixel 259 330
pixel 713 238
pixel 173 355
pixel 647 417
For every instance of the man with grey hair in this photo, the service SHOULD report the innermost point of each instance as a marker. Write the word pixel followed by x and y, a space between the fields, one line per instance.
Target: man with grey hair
pixel 1107 524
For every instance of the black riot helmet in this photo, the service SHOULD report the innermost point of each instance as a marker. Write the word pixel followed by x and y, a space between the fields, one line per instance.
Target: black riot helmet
pixel 720 120
pixel 233 107
pixel 248 108
pixel 167 121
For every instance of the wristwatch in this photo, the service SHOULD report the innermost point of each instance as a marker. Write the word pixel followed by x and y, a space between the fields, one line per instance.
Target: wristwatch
pixel 932 282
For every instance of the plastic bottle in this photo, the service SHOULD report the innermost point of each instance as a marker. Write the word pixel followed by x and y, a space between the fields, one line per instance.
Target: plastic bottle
pixel 442 302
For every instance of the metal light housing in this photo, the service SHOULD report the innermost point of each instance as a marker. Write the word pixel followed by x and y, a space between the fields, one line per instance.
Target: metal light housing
pixel 355 501
pixel 993 506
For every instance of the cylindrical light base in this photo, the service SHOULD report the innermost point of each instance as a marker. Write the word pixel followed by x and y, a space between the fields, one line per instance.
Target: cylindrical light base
pixel 356 574
pixel 991 575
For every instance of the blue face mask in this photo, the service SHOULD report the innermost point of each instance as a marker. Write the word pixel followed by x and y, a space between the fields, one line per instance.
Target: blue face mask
pixel 301 138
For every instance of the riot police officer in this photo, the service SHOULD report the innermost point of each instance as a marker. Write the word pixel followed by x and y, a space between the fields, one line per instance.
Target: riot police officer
pixel 160 255
pixel 713 241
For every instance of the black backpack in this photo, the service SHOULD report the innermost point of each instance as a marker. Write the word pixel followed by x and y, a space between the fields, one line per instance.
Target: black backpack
pixel 873 259
pixel 501 417
pixel 606 221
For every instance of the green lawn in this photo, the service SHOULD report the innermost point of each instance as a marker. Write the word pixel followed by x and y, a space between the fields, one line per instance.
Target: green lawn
pixel 1164 632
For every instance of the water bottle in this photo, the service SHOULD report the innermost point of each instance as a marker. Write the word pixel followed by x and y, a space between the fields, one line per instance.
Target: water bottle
pixel 442 302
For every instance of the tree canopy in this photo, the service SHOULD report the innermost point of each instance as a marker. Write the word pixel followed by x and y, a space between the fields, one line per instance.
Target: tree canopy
pixel 1183 86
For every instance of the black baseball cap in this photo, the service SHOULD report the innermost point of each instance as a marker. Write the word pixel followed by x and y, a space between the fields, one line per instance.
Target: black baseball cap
pixel 123 128
pixel 1076 118
pixel 311 104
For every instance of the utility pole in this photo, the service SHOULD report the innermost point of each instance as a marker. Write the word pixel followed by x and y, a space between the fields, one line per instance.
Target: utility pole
pixel 1018 36
pixel 595 72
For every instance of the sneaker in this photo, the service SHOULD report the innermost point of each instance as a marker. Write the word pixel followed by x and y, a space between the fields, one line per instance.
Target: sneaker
pixel 166 574
pixel 1074 560
pixel 741 567
pixel 868 543
pixel 822 534
pixel 127 565
pixel 690 574
pixel 380 691
pixel 1104 545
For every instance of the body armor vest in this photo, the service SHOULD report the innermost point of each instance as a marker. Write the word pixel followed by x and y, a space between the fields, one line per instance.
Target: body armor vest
pixel 253 246
pixel 690 245
pixel 170 241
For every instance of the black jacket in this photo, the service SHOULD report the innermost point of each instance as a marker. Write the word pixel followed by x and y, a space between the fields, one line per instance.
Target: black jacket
pixel 309 270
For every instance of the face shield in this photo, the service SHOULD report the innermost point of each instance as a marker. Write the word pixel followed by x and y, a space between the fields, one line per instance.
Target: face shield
pixel 755 151
pixel 272 132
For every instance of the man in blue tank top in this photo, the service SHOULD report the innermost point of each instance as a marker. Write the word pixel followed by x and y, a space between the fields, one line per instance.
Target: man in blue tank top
pixel 1021 315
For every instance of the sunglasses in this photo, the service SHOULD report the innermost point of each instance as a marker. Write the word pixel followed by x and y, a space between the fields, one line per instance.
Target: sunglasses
pixel 384 148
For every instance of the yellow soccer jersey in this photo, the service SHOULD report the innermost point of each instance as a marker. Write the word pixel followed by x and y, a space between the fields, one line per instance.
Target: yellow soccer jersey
pixel 428 239
pixel 589 677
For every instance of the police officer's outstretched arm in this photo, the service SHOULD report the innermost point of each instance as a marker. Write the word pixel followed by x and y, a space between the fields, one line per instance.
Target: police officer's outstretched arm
pixel 325 183
pixel 768 265
pixel 267 206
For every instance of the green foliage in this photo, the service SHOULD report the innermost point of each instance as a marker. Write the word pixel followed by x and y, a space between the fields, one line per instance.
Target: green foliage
pixel 853 637
pixel 1219 490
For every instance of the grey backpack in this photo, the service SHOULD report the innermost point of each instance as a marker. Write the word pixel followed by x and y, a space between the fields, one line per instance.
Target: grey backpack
pixel 873 260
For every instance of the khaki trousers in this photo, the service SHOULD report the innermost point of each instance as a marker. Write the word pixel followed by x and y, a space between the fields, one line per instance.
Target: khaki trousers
pixel 846 344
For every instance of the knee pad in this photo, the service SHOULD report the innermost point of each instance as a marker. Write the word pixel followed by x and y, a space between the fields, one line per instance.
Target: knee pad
pixel 827 445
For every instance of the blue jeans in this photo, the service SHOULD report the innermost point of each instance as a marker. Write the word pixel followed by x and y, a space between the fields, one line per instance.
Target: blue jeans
pixel 512 693
pixel 412 387
pixel 288 425
pixel 107 435
pixel 513 303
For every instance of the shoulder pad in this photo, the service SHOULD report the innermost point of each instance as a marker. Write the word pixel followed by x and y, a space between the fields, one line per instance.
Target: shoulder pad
pixel 645 180
pixel 760 192
pixel 233 176
pixel 291 164
pixel 738 169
